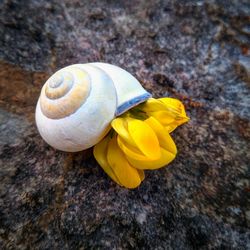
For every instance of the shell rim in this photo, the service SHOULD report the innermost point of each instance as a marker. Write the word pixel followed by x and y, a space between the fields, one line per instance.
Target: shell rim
pixel 131 103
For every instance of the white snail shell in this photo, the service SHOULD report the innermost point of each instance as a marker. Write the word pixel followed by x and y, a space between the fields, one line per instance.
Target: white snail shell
pixel 78 103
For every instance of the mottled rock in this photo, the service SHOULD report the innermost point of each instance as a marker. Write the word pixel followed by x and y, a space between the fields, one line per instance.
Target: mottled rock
pixel 197 51
pixel 243 68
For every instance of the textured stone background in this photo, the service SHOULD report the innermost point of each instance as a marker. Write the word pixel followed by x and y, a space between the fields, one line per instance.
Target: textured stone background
pixel 197 51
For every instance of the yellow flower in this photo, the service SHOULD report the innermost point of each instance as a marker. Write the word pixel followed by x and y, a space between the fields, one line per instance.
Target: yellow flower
pixel 169 112
pixel 146 144
pixel 113 161
pixel 140 140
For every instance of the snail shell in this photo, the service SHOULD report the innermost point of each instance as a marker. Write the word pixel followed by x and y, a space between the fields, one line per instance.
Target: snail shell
pixel 78 102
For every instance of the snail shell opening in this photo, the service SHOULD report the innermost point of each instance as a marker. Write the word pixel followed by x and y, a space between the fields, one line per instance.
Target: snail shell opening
pixel 128 89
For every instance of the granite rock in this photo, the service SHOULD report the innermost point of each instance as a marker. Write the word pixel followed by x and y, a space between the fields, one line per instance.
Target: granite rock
pixel 196 51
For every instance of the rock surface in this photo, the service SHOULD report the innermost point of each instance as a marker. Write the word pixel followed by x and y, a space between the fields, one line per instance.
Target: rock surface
pixel 196 51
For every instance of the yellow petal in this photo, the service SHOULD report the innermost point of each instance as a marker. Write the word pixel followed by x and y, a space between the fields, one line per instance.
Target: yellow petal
pixel 131 151
pixel 166 158
pixel 171 127
pixel 100 153
pixel 127 175
pixel 145 138
pixel 121 127
pixel 141 173
pixel 152 105
pixel 163 116
pixel 164 138
pixel 172 102
pixel 176 107
pixel 169 112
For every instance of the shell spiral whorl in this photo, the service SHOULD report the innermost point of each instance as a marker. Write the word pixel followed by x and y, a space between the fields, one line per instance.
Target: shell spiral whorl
pixel 65 92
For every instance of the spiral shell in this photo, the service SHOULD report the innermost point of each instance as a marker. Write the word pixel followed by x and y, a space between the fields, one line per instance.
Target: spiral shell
pixel 65 92
pixel 78 103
